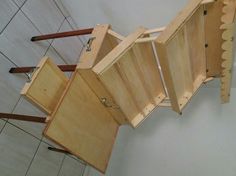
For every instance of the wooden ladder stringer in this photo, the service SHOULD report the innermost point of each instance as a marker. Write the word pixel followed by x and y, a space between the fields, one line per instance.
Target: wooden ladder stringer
pixel 228 25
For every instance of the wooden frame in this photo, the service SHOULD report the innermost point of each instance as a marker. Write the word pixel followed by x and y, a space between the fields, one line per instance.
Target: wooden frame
pixel 46 86
pixel 181 51
pixel 130 73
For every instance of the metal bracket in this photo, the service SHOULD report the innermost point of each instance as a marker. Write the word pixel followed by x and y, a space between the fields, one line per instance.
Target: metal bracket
pixel 89 43
pixel 31 73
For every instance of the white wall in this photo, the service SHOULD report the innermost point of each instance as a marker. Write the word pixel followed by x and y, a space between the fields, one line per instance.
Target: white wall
pixel 201 142
pixel 123 15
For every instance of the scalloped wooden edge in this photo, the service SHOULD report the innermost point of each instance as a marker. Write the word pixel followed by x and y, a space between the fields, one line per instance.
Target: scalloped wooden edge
pixel 228 26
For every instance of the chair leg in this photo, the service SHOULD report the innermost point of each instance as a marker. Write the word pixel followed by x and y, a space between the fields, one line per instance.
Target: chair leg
pixel 62 34
pixel 58 150
pixel 64 68
pixel 23 117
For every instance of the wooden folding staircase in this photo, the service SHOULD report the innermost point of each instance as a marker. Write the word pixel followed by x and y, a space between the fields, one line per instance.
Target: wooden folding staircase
pixel 121 80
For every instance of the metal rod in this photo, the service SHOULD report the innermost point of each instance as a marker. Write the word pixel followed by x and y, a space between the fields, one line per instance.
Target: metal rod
pixel 23 117
pixel 58 150
pixel 62 34
pixel 64 68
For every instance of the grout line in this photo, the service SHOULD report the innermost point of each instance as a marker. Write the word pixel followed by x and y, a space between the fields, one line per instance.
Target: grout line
pixel 60 8
pixel 54 39
pixel 51 44
pixel 69 155
pixel 12 16
pixel 13 109
pixel 23 130
pixel 74 29
pixel 33 157
pixel 19 9
pixel 83 172
pixel 34 25
pixel 8 59
pixel 62 162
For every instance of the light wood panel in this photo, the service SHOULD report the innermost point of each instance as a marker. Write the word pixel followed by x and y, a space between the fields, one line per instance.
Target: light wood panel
pixel 213 35
pixel 89 58
pixel 228 46
pixel 82 125
pixel 130 74
pixel 181 51
pixel 46 86
pixel 99 50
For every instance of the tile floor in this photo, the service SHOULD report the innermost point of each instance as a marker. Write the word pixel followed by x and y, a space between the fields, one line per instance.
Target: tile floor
pixel 23 149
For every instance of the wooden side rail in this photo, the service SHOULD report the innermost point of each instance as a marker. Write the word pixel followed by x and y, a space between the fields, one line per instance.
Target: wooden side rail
pixel 62 34
pixel 23 117
pixel 64 68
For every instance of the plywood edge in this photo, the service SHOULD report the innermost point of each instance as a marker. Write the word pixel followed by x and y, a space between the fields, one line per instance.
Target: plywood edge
pixel 179 21
pixel 88 58
pixel 39 66
pixel 118 51
pixel 103 170
pixel 228 27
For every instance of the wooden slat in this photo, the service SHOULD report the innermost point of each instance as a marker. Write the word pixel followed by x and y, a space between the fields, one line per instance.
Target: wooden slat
pixel 146 61
pixel 196 46
pixel 46 86
pixel 82 125
pixel 182 56
pixel 118 51
pixel 213 39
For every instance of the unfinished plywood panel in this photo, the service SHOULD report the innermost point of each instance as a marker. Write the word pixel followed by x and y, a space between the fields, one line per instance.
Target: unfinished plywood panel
pixel 102 45
pixel 46 85
pixel 130 74
pixel 82 125
pixel 213 34
pixel 228 46
pixel 181 51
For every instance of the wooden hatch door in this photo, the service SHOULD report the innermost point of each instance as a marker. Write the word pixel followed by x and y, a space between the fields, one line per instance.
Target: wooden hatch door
pixel 130 74
pixel 82 125
pixel 77 119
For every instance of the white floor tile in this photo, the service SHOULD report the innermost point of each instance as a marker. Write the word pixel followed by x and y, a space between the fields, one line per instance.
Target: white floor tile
pixel 62 8
pixel 70 47
pixel 46 162
pixel 17 149
pixel 71 167
pixel 15 42
pixel 19 2
pixel 2 123
pixel 83 38
pixel 26 108
pixel 44 14
pixel 10 85
pixel 57 59
pixel 7 11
